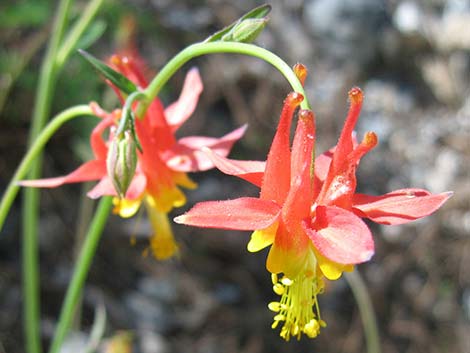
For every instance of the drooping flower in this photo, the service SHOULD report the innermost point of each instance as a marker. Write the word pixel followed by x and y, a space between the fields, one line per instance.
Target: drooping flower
pixel 162 165
pixel 309 212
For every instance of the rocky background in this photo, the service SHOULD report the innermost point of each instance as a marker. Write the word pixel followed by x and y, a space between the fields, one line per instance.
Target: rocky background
pixel 412 59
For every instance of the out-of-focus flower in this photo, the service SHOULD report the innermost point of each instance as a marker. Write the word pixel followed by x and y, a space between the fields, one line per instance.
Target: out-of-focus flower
pixel 162 165
pixel 309 212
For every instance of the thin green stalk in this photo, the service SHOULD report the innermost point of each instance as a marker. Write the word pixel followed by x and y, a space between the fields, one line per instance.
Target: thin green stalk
pixel 80 272
pixel 77 31
pixel 85 214
pixel 30 211
pixel 28 160
pixel 51 65
pixel 366 310
pixel 199 49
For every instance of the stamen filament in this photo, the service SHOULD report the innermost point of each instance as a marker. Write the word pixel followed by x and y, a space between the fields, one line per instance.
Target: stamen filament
pixel 298 307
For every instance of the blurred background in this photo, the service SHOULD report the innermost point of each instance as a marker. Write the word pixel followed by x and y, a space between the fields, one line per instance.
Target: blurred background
pixel 411 58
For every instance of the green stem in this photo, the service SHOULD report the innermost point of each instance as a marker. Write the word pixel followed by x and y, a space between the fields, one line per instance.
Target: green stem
pixel 126 114
pixel 199 49
pixel 80 272
pixel 85 214
pixel 51 65
pixel 28 160
pixel 77 31
pixel 30 210
pixel 366 310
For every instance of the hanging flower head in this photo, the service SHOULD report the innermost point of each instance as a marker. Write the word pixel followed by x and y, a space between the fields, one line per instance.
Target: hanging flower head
pixel 309 212
pixel 163 164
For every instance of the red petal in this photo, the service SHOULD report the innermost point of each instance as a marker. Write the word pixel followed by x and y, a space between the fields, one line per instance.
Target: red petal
pixel 276 181
pixel 322 165
pixel 288 253
pixel 104 187
pixel 137 187
pixel 98 145
pixel 346 143
pixel 299 199
pixel 92 170
pixel 400 206
pixel 131 65
pixel 340 235
pixel 246 213
pixel 187 156
pixel 341 166
pixel 178 112
pixel 302 147
pixel 251 171
pixel 323 161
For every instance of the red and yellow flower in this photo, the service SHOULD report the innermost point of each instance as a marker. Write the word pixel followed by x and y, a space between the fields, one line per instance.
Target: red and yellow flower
pixel 162 165
pixel 309 212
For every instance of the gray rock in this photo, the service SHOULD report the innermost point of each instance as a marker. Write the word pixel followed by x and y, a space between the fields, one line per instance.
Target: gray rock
pixel 347 29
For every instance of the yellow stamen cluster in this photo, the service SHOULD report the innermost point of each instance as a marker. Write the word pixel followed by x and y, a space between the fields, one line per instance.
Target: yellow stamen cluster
pixel 298 307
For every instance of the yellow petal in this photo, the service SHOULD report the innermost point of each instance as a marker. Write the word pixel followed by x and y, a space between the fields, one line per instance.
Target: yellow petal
pixel 286 261
pixel 330 269
pixel 167 198
pixel 125 207
pixel 185 181
pixel 262 238
pixel 162 241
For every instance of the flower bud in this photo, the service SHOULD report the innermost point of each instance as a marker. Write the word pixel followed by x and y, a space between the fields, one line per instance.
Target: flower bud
pixel 122 162
pixel 246 31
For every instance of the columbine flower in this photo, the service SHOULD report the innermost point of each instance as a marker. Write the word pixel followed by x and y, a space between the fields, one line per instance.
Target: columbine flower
pixel 309 212
pixel 162 166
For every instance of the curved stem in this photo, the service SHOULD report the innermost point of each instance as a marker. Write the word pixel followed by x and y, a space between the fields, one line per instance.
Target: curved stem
pixel 22 170
pixel 80 272
pixel 366 310
pixel 126 114
pixel 199 49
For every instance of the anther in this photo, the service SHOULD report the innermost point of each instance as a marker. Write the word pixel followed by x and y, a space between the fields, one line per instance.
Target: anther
pixel 286 281
pixel 278 289
pixel 274 278
pixel 274 306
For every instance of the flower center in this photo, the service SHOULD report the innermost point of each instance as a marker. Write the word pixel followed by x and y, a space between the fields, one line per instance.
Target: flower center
pixel 298 308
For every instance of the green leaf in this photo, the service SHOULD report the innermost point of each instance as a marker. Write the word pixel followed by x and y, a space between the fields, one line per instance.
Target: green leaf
pixel 93 33
pixel 259 12
pixel 117 79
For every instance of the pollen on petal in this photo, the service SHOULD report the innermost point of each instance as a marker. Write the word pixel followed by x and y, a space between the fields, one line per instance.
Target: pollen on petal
pixel 301 72
pixel 370 139
pixel 294 98
pixel 115 59
pixel 306 114
pixel 355 95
